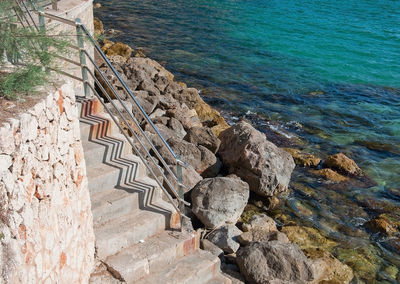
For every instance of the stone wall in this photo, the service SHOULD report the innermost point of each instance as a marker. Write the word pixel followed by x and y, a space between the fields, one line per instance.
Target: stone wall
pixel 46 229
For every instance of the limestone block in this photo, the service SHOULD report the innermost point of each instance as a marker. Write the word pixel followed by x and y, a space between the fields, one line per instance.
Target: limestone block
pixel 5 162
pixel 7 145
pixel 29 127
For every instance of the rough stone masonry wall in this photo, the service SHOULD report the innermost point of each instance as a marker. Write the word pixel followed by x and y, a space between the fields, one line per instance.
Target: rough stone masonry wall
pixel 46 230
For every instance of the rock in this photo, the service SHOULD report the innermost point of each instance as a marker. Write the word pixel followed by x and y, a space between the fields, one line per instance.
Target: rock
pixel 98 27
pixel 203 136
pixel 140 53
pixel 6 162
pixel 329 174
pixel 164 130
pixel 265 167
pixel 157 113
pixel 189 96
pixel 185 116
pixel 327 268
pixel 119 106
pixel 260 222
pixel 118 48
pixel 219 200
pixel 211 165
pixel 147 101
pixel 303 159
pixel 249 211
pixel 230 258
pixel 259 235
pixel 364 260
pixel 189 177
pixel 211 118
pixel 274 262
pixel 381 224
pixel 343 164
pixel 306 237
pixel 198 157
pixel 177 127
pixel 225 238
pixel 209 246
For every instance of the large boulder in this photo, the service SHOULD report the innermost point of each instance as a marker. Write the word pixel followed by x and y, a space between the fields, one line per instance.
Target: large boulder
pixel 220 200
pixel 265 167
pixel 189 177
pixel 203 136
pixel 262 236
pixel 274 262
pixel 225 238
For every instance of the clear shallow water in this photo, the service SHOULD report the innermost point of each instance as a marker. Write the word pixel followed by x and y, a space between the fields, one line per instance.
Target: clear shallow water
pixel 327 71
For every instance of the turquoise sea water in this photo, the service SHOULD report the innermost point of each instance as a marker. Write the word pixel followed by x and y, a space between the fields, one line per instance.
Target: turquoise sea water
pixel 325 72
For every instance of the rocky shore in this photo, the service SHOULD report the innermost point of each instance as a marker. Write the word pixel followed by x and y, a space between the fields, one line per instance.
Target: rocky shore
pixel 235 177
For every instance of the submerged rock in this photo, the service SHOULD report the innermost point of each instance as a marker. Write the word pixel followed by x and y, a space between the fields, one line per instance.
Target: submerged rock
pixel 274 262
pixel 303 159
pixel 247 153
pixel 219 200
pixel 382 224
pixel 364 260
pixel 330 175
pixel 343 164
pixel 307 237
pixel 327 268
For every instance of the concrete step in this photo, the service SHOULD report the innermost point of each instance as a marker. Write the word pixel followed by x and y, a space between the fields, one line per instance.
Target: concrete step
pixel 105 149
pixel 152 255
pixel 125 231
pixel 115 173
pixel 196 268
pixel 112 204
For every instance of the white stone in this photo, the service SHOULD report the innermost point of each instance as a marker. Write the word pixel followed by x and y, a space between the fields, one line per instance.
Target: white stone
pixel 5 162
pixel 7 144
pixel 39 265
pixel 49 240
pixel 29 127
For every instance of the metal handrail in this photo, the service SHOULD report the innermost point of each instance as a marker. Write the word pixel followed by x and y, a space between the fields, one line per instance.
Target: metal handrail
pixel 85 70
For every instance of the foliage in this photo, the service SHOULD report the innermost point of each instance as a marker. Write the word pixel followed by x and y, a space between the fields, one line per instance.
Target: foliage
pixel 30 51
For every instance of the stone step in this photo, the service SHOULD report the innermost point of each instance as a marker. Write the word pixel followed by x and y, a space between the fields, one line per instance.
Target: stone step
pixel 89 107
pixel 116 173
pixel 112 204
pixel 152 255
pixel 125 231
pixel 105 149
pixel 196 268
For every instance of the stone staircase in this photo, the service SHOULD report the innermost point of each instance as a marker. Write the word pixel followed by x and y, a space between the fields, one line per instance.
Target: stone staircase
pixel 138 239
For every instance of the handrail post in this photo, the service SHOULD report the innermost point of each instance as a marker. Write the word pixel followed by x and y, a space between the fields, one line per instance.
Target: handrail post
pixel 82 56
pixel 42 27
pixel 181 191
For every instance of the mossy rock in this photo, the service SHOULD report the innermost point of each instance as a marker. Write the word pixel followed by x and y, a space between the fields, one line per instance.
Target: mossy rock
pixel 249 211
pixel 307 238
pixel 364 261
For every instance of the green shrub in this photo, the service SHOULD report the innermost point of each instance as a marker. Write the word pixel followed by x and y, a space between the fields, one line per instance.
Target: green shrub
pixel 31 52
